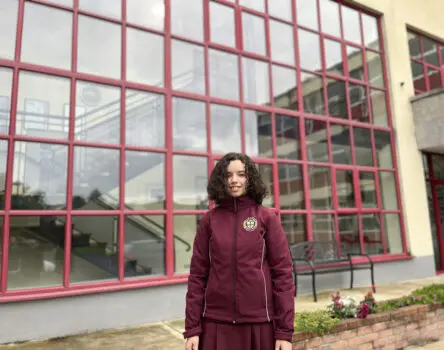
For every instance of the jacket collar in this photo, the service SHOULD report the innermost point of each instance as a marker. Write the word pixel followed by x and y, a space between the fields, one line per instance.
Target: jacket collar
pixel 237 203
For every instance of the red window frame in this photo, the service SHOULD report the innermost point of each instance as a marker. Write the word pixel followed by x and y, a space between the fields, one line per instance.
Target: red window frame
pixel 170 277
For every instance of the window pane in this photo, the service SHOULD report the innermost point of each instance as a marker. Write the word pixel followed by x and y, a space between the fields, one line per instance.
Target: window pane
pixel 222 24
pixel 224 75
pixel 393 236
pixel 96 179
pixel 371 228
pixel 309 50
pixel 330 17
pixel 258 135
pixel 434 78
pixel 379 107
pixel 253 33
pixel 351 25
pixel 256 82
pixel 358 103
pixel 185 228
pixel 144 180
pixel 144 57
pixel 108 8
pixel 323 228
pixel 389 197
pixel 363 146
pixel 295 227
pixel 374 69
pixel 258 5
pixel 340 144
pixel 266 172
pixel 187 19
pixel 225 129
pixel 320 187
pixel 418 76
pixel 313 94
pixel 291 186
pixel 430 51
pixel 282 42
pixel 94 248
pixel 3 159
pixel 368 189
pixel 333 57
pixel 146 13
pixel 5 98
pixel 144 119
pixel 337 102
pixel 371 32
pixel 99 47
pixel 349 232
pixel 8 27
pixel 189 125
pixel 190 182
pixel 97 113
pixel 383 149
pixel 316 140
pixel 47 36
pixel 144 245
pixel 355 63
pixel 438 166
pixel 188 67
pixel 345 189
pixel 36 253
pixel 288 140
pixel 280 8
pixel 307 13
pixel 39 176
pixel 62 2
pixel 284 87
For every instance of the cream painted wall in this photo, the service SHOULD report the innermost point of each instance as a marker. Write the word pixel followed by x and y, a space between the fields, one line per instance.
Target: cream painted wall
pixel 397 15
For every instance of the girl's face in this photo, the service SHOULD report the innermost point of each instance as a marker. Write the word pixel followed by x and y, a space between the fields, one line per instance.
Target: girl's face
pixel 237 178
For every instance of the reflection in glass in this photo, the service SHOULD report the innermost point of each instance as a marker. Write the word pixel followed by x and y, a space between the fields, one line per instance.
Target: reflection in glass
pixel 383 149
pixel 307 13
pixel 185 228
pixel 253 33
pixel 258 135
pixel 189 125
pixel 225 129
pixel 62 2
pixel 355 63
pixel 434 76
pixel 340 144
pixel 143 47
pixel 222 28
pixel 418 76
pixel 393 236
pixel 363 146
pixel 323 227
pixel 367 185
pixel 337 102
pixel 291 186
pixel 39 176
pixel 188 67
pixel 414 45
pixel 316 140
pixel 345 189
pixel 358 103
pixel 187 19
pixel 266 171
pixel 8 28
pixel 144 119
pixel 371 32
pixel 144 181
pixel 95 178
pixel 320 187
pixel 387 184
pixel 36 252
pixel 281 9
pixel 430 51
pixel 351 25
pixel 94 248
pixel 434 228
pixel 333 57
pixel 99 47
pixel 258 5
pixel 349 232
pixel 98 112
pixel 5 98
pixel 295 227
pixel 284 87
pixel 330 23
pixel 190 179
pixel 144 247
pixel 379 107
pixel 47 36
pixel 374 69
pixel 256 81
pixel 146 13
pixel 438 166
pixel 371 229
pixel 224 75
pixel 108 8
pixel 282 42
pixel 309 50
pixel 313 93
pixel 3 158
pixel 288 141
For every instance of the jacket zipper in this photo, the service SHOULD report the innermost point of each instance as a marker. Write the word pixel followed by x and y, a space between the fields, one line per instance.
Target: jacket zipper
pixel 235 261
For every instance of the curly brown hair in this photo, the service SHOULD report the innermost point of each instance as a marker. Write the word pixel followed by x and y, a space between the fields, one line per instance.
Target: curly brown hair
pixel 217 186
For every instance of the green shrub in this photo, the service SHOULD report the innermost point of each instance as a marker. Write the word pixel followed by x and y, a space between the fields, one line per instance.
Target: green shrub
pixel 319 322
pixel 433 293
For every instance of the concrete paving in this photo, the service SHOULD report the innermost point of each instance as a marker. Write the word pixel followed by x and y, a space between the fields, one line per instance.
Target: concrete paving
pixel 168 335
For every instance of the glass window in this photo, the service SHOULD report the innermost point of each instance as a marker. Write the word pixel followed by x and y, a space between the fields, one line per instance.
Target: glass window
pixel 340 144
pixel 3 160
pixel 371 227
pixel 144 119
pixel 144 180
pixel 434 77
pixel 258 135
pixel 266 171
pixel 144 57
pixel 187 19
pixel 190 179
pixel 379 107
pixel 222 28
pixel 438 166
pixel 108 8
pixel 291 186
pixel 144 246
pixel 363 146
pixel 147 13
pixel 430 51
pixel 224 75
pixel 47 36
pixel 351 25
pixel 256 81
pixel 258 5
pixel 5 98
pixel 393 236
pixel 295 227
pixel 98 113
pixel 8 27
pixel 225 129
pixel 387 184
pixel 330 23
pixel 39 176
pixel 349 232
pixel 383 149
pixel 345 189
pixel 281 9
pixel 358 103
pixel 188 67
pixel 418 76
pixel 67 3
pixel 367 187
pixel 284 87
pixel 414 45
pixel 307 13
pixel 185 228
pixel 371 31
pixel 323 228
pixel 320 188
pixel 309 50
pixel 189 125
pixel 316 140
pixel 288 141
pixel 313 93
pixel 333 57
pixel 374 69
pixel 282 42
pixel 253 33
pixel 337 101
pixel 99 46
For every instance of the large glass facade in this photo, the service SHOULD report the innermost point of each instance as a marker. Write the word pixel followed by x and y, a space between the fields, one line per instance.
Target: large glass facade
pixel 113 114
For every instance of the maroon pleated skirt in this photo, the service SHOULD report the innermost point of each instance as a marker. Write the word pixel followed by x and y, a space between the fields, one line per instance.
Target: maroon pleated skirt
pixel 227 336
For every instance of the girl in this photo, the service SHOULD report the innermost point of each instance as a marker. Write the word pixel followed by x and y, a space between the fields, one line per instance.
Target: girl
pixel 240 288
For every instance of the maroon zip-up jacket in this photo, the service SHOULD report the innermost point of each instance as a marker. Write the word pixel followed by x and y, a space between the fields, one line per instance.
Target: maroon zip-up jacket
pixel 241 270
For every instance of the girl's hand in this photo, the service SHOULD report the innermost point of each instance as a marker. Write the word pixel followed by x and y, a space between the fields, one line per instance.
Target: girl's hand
pixel 193 343
pixel 282 345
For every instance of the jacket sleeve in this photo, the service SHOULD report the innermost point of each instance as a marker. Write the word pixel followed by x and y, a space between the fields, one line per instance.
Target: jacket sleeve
pixel 281 268
pixel 197 280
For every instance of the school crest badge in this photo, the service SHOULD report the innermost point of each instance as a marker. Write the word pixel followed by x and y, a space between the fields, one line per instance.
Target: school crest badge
pixel 250 224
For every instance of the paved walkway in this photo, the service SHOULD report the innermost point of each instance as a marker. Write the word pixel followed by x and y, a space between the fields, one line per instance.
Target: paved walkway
pixel 168 335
